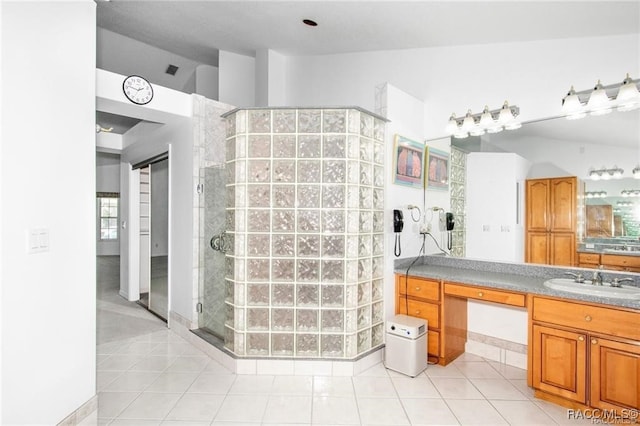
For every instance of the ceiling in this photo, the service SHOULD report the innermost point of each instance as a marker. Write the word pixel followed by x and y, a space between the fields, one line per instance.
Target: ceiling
pixel 198 29
pixel 118 124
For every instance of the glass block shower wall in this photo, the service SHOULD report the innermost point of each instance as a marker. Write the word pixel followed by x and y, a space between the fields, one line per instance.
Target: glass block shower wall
pixel 458 183
pixel 305 190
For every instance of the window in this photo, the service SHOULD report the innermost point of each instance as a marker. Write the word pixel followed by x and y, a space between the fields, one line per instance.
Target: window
pixel 108 209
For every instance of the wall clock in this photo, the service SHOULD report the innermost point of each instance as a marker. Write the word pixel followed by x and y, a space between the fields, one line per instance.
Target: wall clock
pixel 137 89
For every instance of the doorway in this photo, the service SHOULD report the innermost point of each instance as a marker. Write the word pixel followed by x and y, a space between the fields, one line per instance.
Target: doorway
pixel 154 235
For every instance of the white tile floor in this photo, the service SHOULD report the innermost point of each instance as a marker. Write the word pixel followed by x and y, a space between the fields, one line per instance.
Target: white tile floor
pixel 148 375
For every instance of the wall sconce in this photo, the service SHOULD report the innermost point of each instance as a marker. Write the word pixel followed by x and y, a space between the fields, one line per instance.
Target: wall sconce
pixel 595 194
pixel 630 193
pixel 602 99
pixel 487 121
pixel 606 174
pixel 624 203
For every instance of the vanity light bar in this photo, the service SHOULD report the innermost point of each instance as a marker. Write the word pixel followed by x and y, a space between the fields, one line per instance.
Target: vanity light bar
pixel 595 194
pixel 601 99
pixel 630 193
pixel 487 121
pixel 604 174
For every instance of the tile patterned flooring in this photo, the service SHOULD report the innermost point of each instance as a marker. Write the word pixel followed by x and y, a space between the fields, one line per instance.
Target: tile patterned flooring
pixel 148 375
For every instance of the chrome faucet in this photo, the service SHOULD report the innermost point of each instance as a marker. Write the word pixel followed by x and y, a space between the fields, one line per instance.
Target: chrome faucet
pixel 597 278
pixel 617 282
pixel 576 277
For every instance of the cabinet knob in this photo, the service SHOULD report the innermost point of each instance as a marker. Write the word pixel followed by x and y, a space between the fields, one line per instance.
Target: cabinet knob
pixel 594 341
pixel 417 312
pixel 581 338
pixel 587 318
pixel 417 288
pixel 480 294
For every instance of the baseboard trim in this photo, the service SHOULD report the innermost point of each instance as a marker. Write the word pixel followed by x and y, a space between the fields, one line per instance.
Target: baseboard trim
pixel 81 413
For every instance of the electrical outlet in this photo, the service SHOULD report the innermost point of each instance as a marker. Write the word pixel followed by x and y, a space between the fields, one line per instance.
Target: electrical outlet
pixel 425 228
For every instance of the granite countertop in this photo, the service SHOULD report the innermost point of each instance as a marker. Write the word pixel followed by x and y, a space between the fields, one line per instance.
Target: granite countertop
pixel 609 251
pixel 525 278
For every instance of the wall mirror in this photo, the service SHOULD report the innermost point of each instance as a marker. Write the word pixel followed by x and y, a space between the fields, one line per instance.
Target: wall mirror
pixel 560 147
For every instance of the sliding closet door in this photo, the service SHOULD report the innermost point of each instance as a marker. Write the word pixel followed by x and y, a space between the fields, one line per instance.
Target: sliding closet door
pixel 158 294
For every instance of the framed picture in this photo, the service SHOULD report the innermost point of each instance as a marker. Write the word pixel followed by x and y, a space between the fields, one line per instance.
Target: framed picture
pixel 408 160
pixel 437 168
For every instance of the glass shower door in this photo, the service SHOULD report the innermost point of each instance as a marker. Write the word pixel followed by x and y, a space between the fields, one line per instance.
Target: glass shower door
pixel 215 243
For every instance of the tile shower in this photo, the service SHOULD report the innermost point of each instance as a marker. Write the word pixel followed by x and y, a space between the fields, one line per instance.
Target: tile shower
pixel 304 216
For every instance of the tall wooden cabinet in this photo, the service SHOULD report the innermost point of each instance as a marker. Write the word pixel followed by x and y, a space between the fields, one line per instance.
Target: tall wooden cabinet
pixel 551 221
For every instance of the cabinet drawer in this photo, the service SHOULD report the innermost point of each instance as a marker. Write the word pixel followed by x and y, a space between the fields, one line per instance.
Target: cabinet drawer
pixel 618 260
pixel 594 319
pixel 416 287
pixel 424 310
pixel 590 258
pixel 498 296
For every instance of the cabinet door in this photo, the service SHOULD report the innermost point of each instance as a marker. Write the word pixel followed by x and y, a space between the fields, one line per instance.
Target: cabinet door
pixel 559 362
pixel 563 204
pixel 562 249
pixel 615 374
pixel 537 200
pixel 537 250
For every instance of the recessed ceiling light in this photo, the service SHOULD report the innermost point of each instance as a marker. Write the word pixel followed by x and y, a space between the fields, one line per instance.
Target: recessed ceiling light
pixel 310 22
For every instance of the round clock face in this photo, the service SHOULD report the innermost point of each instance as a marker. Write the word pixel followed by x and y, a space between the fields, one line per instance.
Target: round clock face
pixel 137 89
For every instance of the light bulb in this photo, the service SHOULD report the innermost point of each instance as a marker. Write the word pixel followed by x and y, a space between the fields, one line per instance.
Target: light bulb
pixel 496 128
pixel 452 125
pixel 599 103
pixel 506 116
pixel 628 97
pixel 468 123
pixel 486 119
pixel 460 135
pixel 617 172
pixel 572 106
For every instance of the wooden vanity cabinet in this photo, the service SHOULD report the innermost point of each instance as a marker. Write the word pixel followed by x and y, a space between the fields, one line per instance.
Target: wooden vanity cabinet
pixel 421 298
pixel 589 260
pixel 585 353
pixel 619 262
pixel 551 220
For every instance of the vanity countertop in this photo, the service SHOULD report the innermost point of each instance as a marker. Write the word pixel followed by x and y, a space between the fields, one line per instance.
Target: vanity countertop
pixel 525 278
pixel 614 252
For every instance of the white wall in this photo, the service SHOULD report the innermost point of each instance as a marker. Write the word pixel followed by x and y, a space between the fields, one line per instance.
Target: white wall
pixel 406 115
pixel 207 81
pixel 495 206
pixel 237 79
pixel 48 303
pixel 115 51
pixel 271 78
pixel 532 75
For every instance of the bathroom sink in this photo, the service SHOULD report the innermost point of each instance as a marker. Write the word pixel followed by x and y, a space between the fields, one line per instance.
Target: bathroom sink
pixel 605 290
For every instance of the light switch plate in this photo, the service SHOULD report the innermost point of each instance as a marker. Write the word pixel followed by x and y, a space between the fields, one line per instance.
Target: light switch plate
pixel 37 240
